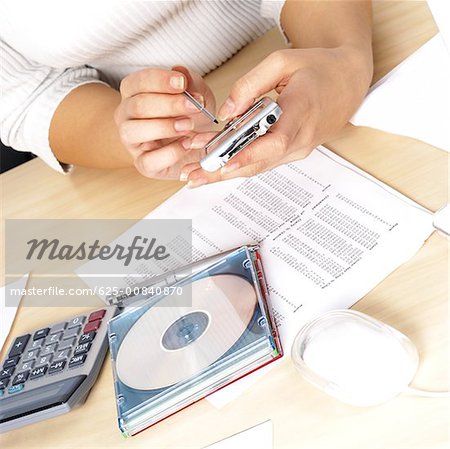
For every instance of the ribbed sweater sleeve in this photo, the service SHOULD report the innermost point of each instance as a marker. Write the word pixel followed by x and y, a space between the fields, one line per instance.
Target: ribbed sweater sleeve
pixel 38 70
pixel 30 94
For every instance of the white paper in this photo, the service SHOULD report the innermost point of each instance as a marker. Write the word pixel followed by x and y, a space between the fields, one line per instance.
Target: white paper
pixel 328 232
pixel 413 99
pixel 259 436
pixel 441 14
pixel 8 306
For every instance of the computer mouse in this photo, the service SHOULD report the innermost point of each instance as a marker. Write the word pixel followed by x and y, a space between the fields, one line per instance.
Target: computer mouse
pixel 355 358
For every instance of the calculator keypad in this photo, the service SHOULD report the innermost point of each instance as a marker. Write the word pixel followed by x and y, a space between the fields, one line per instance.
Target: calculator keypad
pixel 39 371
pixel 55 367
pixel 11 361
pixel 49 351
pixel 19 345
pixel 41 333
pixel 6 372
pixel 21 377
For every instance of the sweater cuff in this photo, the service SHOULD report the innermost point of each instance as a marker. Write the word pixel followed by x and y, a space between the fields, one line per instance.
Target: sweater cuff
pixel 271 9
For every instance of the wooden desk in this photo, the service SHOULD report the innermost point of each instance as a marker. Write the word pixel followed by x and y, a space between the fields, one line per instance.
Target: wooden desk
pixel 414 298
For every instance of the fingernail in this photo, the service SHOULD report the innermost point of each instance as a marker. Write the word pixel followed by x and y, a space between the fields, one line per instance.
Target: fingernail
pixel 185 124
pixel 177 82
pixel 200 98
pixel 227 109
pixel 229 168
pixel 184 177
pixel 197 183
pixel 186 143
pixel 197 145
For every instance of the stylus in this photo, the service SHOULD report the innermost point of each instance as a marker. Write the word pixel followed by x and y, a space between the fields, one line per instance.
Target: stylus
pixel 200 107
pixel 165 279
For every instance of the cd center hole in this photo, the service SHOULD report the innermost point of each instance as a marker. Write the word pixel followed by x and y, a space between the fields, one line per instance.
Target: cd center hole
pixel 185 330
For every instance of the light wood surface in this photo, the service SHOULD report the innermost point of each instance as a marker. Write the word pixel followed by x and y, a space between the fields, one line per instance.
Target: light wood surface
pixel 414 298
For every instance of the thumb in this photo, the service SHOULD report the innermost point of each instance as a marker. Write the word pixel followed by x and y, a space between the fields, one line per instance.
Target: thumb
pixel 258 81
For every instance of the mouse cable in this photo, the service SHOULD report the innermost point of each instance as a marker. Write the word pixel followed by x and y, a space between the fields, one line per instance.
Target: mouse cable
pixel 426 393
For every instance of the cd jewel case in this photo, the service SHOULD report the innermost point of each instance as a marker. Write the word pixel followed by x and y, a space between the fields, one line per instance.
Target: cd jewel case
pixel 170 351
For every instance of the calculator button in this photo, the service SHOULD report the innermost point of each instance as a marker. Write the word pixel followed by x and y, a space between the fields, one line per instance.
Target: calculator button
pixel 27 365
pixel 4 383
pixel 55 367
pixel 85 338
pixel 77 360
pixel 61 355
pixel 41 333
pixel 54 338
pixel 6 372
pixel 29 355
pixel 39 371
pixel 15 388
pixel 58 327
pixel 21 377
pixel 44 360
pixel 49 349
pixel 36 344
pixel 76 321
pixel 92 326
pixel 70 333
pixel 19 345
pixel 11 361
pixel 98 315
pixel 67 343
pixel 82 349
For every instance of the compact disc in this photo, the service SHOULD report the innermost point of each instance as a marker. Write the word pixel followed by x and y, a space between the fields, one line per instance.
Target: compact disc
pixel 168 344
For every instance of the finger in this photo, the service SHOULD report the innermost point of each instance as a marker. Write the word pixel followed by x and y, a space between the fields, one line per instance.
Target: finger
pixel 158 105
pixel 136 149
pixel 198 177
pixel 272 147
pixel 138 131
pixel 258 81
pixel 153 80
pixel 154 161
pixel 282 137
pixel 200 140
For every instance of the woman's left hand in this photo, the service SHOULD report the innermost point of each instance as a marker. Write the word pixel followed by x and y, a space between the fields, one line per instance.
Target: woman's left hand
pixel 319 90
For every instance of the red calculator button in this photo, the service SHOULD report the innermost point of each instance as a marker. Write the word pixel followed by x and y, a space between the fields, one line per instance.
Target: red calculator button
pixel 91 327
pixel 98 315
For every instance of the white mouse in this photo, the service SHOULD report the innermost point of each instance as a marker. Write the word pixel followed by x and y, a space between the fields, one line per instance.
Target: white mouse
pixel 355 358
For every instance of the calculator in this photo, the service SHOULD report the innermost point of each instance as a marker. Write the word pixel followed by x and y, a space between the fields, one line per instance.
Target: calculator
pixel 49 371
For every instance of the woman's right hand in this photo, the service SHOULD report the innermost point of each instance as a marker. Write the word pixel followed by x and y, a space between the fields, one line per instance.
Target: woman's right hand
pixel 155 120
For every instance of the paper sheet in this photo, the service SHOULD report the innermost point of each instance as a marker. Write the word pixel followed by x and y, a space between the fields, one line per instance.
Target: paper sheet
pixel 413 99
pixel 8 313
pixel 441 15
pixel 259 436
pixel 329 233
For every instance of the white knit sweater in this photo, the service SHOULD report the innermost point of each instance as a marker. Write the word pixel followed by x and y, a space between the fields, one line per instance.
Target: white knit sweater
pixel 50 47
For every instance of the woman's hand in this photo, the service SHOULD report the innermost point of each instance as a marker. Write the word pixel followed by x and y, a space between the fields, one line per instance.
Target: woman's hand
pixel 155 120
pixel 319 90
